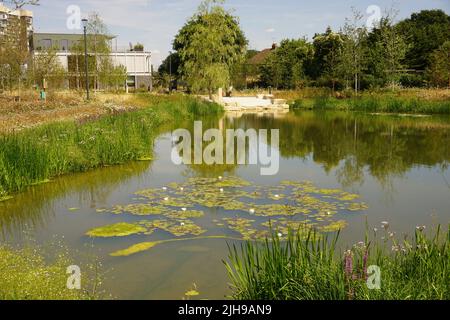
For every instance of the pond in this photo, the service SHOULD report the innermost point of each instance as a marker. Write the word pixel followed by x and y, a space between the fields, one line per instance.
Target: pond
pixel 161 229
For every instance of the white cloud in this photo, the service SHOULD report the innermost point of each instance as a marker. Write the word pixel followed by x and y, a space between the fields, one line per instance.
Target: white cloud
pixel 270 30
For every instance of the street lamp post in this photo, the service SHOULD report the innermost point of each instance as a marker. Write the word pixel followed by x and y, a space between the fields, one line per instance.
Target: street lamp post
pixel 86 68
pixel 170 71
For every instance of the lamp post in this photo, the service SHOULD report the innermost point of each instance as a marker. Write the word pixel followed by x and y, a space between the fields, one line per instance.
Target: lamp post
pixel 170 71
pixel 86 68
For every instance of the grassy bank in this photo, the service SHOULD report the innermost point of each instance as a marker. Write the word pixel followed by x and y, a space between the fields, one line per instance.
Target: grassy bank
pixel 407 101
pixel 299 269
pixel 421 101
pixel 26 275
pixel 37 154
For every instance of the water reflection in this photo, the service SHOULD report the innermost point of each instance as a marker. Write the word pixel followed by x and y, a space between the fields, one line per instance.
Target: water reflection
pixel 385 146
pixel 34 208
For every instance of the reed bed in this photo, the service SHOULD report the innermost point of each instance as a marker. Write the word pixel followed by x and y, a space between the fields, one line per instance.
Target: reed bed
pixel 38 154
pixel 313 268
pixel 380 103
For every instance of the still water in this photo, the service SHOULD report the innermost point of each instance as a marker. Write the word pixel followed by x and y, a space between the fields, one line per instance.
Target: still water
pixel 398 165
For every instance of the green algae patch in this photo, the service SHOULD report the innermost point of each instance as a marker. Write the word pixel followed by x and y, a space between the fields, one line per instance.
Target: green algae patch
pixel 334 226
pixel 144 246
pixel 135 249
pixel 192 293
pixel 177 228
pixel 121 229
pixel 252 211
pixel 245 228
pixel 148 158
pixel 6 198
pixel 140 209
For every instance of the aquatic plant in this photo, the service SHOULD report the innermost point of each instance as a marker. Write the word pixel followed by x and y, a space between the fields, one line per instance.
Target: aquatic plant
pixel 302 202
pixel 310 267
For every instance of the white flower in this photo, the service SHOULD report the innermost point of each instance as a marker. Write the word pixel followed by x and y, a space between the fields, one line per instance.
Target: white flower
pixel 280 234
pixel 183 209
pixel 164 188
pixel 166 199
pixel 181 189
pixel 182 224
pixel 220 178
pixel 221 189
pixel 252 210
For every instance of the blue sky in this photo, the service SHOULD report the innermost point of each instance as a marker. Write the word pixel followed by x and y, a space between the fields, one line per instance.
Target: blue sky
pixel 155 22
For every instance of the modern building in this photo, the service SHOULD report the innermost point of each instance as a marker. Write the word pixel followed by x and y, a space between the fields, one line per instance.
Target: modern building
pixel 25 20
pixel 138 63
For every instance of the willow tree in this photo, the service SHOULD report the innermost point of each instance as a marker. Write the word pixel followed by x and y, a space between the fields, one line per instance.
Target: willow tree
pixel 209 45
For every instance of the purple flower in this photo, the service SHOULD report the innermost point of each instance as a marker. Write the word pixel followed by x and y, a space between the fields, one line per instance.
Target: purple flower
pixel 348 264
pixel 365 258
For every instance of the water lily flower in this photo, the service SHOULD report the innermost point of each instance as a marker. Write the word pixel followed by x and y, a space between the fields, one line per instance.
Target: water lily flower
pixel 164 188
pixel 182 224
pixel 221 189
pixel 220 177
pixel 166 199
pixel 183 209
pixel 181 188
pixel 252 210
pixel 280 234
pixel 277 196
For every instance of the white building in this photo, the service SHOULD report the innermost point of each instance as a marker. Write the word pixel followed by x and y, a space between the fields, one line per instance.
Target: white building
pixel 137 63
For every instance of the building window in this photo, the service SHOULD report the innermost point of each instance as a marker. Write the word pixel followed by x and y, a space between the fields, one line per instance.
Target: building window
pixel 46 43
pixel 64 45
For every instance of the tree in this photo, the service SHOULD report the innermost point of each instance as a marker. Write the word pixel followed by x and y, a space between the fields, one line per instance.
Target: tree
pixel 99 49
pixel 426 31
pixel 439 70
pixel 209 44
pixel 327 50
pixel 19 4
pixel 46 66
pixel 353 58
pixel 387 48
pixel 285 66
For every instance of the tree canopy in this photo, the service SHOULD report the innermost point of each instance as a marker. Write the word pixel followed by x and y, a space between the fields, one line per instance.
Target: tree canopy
pixel 208 45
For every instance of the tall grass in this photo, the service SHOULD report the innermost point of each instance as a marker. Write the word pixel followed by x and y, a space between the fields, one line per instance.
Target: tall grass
pixel 35 155
pixel 312 268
